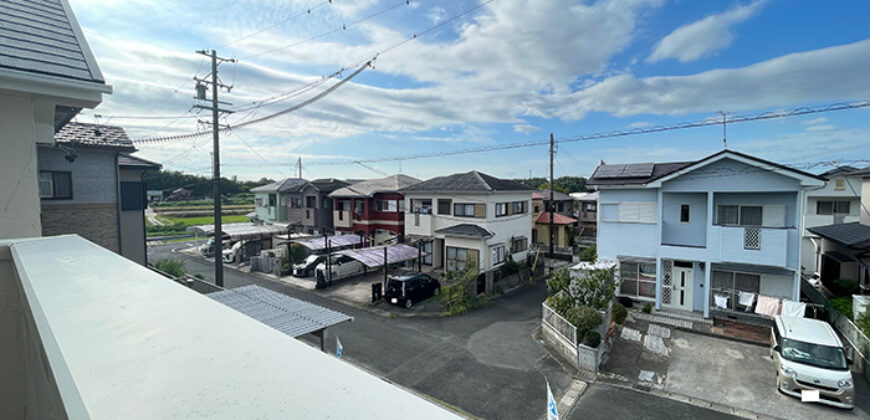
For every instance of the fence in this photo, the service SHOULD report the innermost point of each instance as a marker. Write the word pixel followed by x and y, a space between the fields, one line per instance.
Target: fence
pixel 561 335
pixel 559 324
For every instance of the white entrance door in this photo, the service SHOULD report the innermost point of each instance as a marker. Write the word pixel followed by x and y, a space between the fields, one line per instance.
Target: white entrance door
pixel 681 287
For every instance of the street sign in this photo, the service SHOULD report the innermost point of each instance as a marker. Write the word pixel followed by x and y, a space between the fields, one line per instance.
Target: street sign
pixel 552 413
pixel 338 348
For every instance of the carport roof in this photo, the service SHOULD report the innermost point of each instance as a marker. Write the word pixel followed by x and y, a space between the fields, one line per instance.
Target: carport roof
pixel 374 256
pixel 335 241
pixel 244 230
pixel 853 234
pixel 291 316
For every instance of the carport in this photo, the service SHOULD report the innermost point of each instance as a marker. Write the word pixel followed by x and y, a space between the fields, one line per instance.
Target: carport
pixel 384 255
pixel 324 242
pixel 243 231
pixel 291 316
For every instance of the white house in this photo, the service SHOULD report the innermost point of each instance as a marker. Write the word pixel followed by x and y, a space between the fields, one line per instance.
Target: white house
pixel 470 217
pixel 838 202
pixel 702 236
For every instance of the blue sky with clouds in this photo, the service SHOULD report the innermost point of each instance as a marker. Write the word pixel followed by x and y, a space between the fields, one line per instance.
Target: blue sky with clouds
pixel 511 71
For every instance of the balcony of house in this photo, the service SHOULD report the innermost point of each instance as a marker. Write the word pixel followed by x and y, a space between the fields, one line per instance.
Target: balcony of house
pixel 341 215
pixel 419 223
pixel 755 244
pixel 90 334
pixel 755 228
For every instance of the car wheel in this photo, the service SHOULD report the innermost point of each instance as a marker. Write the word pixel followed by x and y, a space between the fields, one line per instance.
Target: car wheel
pixel 408 304
pixel 436 292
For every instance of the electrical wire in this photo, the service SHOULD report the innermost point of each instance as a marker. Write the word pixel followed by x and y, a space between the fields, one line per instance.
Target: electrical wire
pixel 282 173
pixel 306 12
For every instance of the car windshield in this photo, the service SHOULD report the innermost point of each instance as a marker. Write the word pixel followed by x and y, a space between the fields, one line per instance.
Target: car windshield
pixel 311 259
pixel 814 354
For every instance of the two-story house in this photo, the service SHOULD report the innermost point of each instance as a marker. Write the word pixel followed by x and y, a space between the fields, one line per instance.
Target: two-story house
pixel 839 201
pixel 271 200
pixel 704 236
pixel 587 216
pixel 563 220
pixel 470 218
pixel 90 185
pixel 373 209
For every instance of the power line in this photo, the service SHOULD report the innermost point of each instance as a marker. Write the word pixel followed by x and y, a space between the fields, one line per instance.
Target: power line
pixel 306 12
pixel 258 154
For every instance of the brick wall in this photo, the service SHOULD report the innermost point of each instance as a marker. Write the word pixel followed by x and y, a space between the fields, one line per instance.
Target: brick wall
pixel 97 223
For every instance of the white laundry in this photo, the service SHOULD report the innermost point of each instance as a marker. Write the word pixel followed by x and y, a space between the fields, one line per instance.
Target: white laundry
pixel 792 308
pixel 767 306
pixel 745 299
pixel 721 301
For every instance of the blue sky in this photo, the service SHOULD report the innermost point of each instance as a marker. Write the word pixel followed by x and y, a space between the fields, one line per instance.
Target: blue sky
pixel 512 71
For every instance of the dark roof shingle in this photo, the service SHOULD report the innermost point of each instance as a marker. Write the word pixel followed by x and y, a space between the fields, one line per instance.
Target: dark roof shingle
pixel 96 135
pixel 465 229
pixel 282 186
pixel 853 234
pixel 473 181
pixel 137 162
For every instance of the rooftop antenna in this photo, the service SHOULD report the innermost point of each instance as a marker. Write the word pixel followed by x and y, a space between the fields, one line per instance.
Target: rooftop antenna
pixel 724 128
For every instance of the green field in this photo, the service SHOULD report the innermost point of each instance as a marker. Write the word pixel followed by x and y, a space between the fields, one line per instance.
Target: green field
pixel 179 225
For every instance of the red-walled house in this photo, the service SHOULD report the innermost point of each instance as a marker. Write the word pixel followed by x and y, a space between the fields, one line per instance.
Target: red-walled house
pixel 372 208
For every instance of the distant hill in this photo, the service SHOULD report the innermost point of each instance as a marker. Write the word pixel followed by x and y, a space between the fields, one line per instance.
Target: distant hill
pixel 199 186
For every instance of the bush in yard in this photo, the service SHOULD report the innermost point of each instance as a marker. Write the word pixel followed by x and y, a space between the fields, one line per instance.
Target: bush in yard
pixel 595 289
pixel 647 308
pixel 863 322
pixel 171 266
pixel 592 339
pixel 844 287
pixel 842 305
pixel 455 285
pixel 558 282
pixel 590 254
pixel 619 313
pixel 511 266
pixel 561 303
pixel 584 318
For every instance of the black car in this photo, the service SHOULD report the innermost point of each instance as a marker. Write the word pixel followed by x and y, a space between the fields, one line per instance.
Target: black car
pixel 306 268
pixel 406 290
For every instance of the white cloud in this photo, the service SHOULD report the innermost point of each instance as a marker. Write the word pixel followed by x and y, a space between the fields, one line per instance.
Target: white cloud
pixel 814 121
pixel 639 124
pixel 704 37
pixel 823 127
pixel 437 14
pixel 525 128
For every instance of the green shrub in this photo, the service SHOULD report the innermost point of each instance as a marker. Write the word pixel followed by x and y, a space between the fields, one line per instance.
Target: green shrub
pixel 455 285
pixel 863 322
pixel 558 282
pixel 647 308
pixel 592 339
pixel 589 254
pixel 171 266
pixel 843 287
pixel 561 303
pixel 584 318
pixel 842 305
pixel 595 289
pixel 512 267
pixel 619 313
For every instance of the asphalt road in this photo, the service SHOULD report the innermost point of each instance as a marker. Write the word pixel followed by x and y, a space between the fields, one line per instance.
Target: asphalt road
pixel 485 362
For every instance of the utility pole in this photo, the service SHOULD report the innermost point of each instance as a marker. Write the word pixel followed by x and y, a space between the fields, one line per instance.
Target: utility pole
pixel 299 164
pixel 201 85
pixel 550 205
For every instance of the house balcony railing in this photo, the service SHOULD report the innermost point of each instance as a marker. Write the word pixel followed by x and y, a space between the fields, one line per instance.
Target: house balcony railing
pixel 754 245
pixel 418 224
pixel 342 218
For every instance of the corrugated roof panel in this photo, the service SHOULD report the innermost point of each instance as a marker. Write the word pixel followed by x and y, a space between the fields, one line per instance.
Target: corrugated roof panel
pixel 374 256
pixel 335 241
pixel 289 315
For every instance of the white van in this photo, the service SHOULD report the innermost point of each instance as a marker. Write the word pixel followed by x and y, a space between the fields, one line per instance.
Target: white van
pixel 808 356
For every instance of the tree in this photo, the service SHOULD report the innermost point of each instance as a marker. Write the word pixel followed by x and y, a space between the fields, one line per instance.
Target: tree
pixel 590 254
pixel 595 289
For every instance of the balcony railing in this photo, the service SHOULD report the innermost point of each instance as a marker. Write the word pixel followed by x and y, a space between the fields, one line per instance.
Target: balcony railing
pixel 90 334
pixel 754 245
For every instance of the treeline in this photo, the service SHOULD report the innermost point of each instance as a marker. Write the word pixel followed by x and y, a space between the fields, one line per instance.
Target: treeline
pixel 564 184
pixel 199 186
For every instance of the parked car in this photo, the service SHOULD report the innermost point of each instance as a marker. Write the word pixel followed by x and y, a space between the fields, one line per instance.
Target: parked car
pixel 306 267
pixel 809 356
pixel 406 290
pixel 342 267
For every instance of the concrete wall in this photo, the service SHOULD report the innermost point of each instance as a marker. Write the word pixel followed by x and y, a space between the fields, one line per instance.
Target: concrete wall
pixel 675 232
pixel 25 122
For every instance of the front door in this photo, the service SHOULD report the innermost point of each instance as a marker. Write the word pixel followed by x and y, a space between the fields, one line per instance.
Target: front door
pixel 681 287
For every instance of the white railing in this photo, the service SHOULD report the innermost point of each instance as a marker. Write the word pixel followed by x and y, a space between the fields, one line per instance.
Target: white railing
pixel 559 324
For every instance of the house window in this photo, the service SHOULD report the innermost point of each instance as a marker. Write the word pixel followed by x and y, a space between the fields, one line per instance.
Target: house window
pixel 132 196
pixel 444 206
pixel 324 204
pixel 560 207
pixel 738 215
pixel 537 208
pixel 832 207
pixel 296 202
pixel 460 258
pixel 684 213
pixel 55 185
pixel 519 207
pixel 258 202
pixel 342 205
pixel 497 255
pixel 386 206
pixel 839 184
pixel 501 209
pixel 307 213
pixel 421 206
pixel 638 279
pixel 358 208
pixel 591 207
pixel 310 202
pixel 728 284
pixel 641 212
pixel 463 210
pixel 519 245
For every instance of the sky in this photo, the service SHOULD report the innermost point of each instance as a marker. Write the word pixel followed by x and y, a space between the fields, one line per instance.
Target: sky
pixel 508 71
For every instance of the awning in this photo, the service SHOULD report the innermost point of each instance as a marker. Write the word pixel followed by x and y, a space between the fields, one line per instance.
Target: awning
pixel 291 316
pixel 839 256
pixel 244 230
pixel 334 241
pixel 374 256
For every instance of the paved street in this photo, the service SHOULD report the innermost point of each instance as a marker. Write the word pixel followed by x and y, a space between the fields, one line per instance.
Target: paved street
pixel 485 362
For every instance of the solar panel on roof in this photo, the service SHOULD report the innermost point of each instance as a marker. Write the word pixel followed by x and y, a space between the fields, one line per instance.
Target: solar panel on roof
pixel 635 170
pixel 609 171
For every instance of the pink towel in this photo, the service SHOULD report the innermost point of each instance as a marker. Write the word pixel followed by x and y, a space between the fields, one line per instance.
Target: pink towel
pixel 767 306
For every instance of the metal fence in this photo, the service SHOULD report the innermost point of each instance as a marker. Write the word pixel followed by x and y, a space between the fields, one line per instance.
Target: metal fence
pixel 559 324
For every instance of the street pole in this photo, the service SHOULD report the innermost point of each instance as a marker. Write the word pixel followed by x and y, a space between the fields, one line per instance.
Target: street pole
pixel 300 167
pixel 216 159
pixel 550 205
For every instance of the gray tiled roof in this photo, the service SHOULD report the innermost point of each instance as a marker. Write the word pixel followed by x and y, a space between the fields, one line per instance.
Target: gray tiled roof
pixel 371 187
pixel 473 181
pixel 852 234
pixel 137 162
pixel 282 186
pixel 328 185
pixel 43 37
pixel 95 135
pixel 465 229
pixel 544 194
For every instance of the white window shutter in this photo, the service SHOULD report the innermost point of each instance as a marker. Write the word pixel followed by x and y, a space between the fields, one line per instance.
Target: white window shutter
pixel 773 215
pixel 647 212
pixel 628 212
